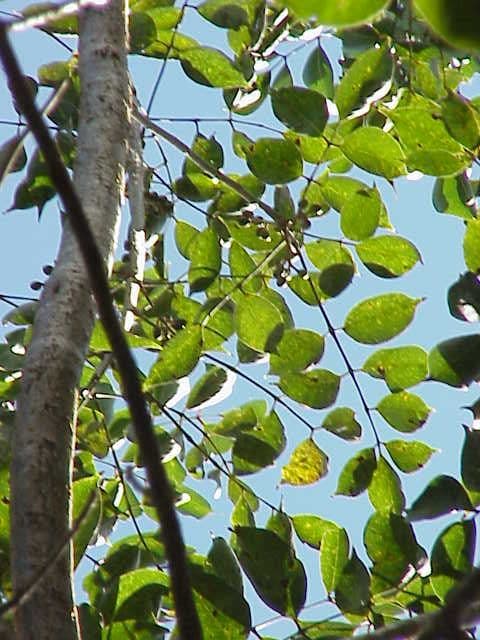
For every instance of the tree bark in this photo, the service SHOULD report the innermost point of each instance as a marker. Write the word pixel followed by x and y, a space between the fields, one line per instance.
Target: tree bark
pixel 44 435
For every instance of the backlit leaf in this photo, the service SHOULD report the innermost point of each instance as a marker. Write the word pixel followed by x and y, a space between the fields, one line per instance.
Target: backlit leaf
pixel 342 423
pixel 318 73
pixel 300 109
pixel 456 361
pixel 178 358
pixel 442 495
pixel 352 591
pixel 360 215
pixel 205 260
pixel 452 556
pixel 258 322
pixel 307 464
pixel 385 490
pixel 317 388
pixel 454 23
pixel 259 447
pixel 471 246
pixel 388 256
pixel 333 556
pixel 357 473
pixel 400 367
pixel 297 350
pixel 404 411
pixel 310 529
pixel 211 67
pixel 409 455
pixel 275 161
pixel 331 13
pixel 380 318
pixel 206 387
pixel 375 151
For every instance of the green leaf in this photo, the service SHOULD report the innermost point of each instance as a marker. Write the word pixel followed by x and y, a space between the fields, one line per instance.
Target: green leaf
pixel 333 556
pixel 260 446
pixel 310 529
pixel 307 464
pixel 185 234
pixel 370 71
pixel 452 556
pixel 137 592
pixel 275 161
pixel 375 151
pixel 380 318
pixel 404 411
pixel 207 386
pixel 228 14
pixel 240 419
pixel 342 423
pixel 388 256
pixel 205 260
pixel 317 388
pixel 331 13
pixel 442 495
pixel 206 148
pixel 360 215
pixel 85 491
pixel 335 265
pixel 454 23
pixel 11 159
pixel 385 490
pixel 352 592
pixel 400 367
pixel 464 298
pixel 192 503
pixel 318 73
pixel 456 361
pixel 258 322
pixel 297 350
pixel 223 611
pixel 178 358
pixel 470 467
pixel 279 523
pixel 223 561
pixel 409 455
pixel 471 246
pixel 357 473
pixel 300 109
pixel 272 568
pixel 454 196
pixel 242 266
pixel 427 143
pixel 461 120
pixel 211 68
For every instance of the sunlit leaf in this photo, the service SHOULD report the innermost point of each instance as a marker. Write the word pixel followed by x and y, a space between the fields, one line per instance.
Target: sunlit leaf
pixel 297 350
pixel 178 358
pixel 404 411
pixel 333 556
pixel 454 196
pixel 211 67
pixel 471 246
pixel 258 322
pixel 384 490
pixel 360 215
pixel 409 455
pixel 380 318
pixel 307 464
pixel 388 256
pixel 332 13
pixel 205 260
pixel 316 388
pixel 375 151
pixel 400 367
pixel 310 529
pixel 275 161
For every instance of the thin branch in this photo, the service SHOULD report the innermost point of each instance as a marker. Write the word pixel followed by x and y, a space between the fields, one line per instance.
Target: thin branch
pixel 162 496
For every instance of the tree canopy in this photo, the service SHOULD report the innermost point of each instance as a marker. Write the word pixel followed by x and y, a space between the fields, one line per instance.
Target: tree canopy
pixel 265 292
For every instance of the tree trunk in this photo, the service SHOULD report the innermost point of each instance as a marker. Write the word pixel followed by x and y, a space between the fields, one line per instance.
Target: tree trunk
pixel 44 435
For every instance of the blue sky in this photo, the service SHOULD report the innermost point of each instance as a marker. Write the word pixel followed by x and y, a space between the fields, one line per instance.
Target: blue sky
pixel 27 245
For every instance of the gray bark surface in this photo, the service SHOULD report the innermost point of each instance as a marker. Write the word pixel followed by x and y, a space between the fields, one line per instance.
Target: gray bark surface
pixel 44 434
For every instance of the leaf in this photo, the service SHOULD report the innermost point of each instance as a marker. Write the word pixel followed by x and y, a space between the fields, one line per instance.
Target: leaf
pixel 388 256
pixel 318 73
pixel 260 446
pixel 360 215
pixel 206 148
pixel 207 386
pixel 258 322
pixel 454 196
pixel 461 120
pixel 137 592
pixel 464 298
pixel 404 411
pixel 333 556
pixel 456 361
pixel 335 265
pixel 307 464
pixel 242 266
pixel 85 492
pixel 330 12
pixel 357 473
pixel 211 68
pixel 471 246
pixel 352 592
pixel 342 423
pixel 228 14
pixel 384 490
pixel 12 156
pixel 409 455
pixel 400 367
pixel 178 358
pixel 271 567
pixel 375 151
pixel 310 529
pixel 300 109
pixel 370 71
pixel 452 556
pixel 205 260
pixel 469 461
pixel 455 24
pixel 240 419
pixel 442 495
pixel 380 318
pixel 275 161
pixel 185 234
pixel 297 350
pixel 317 388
